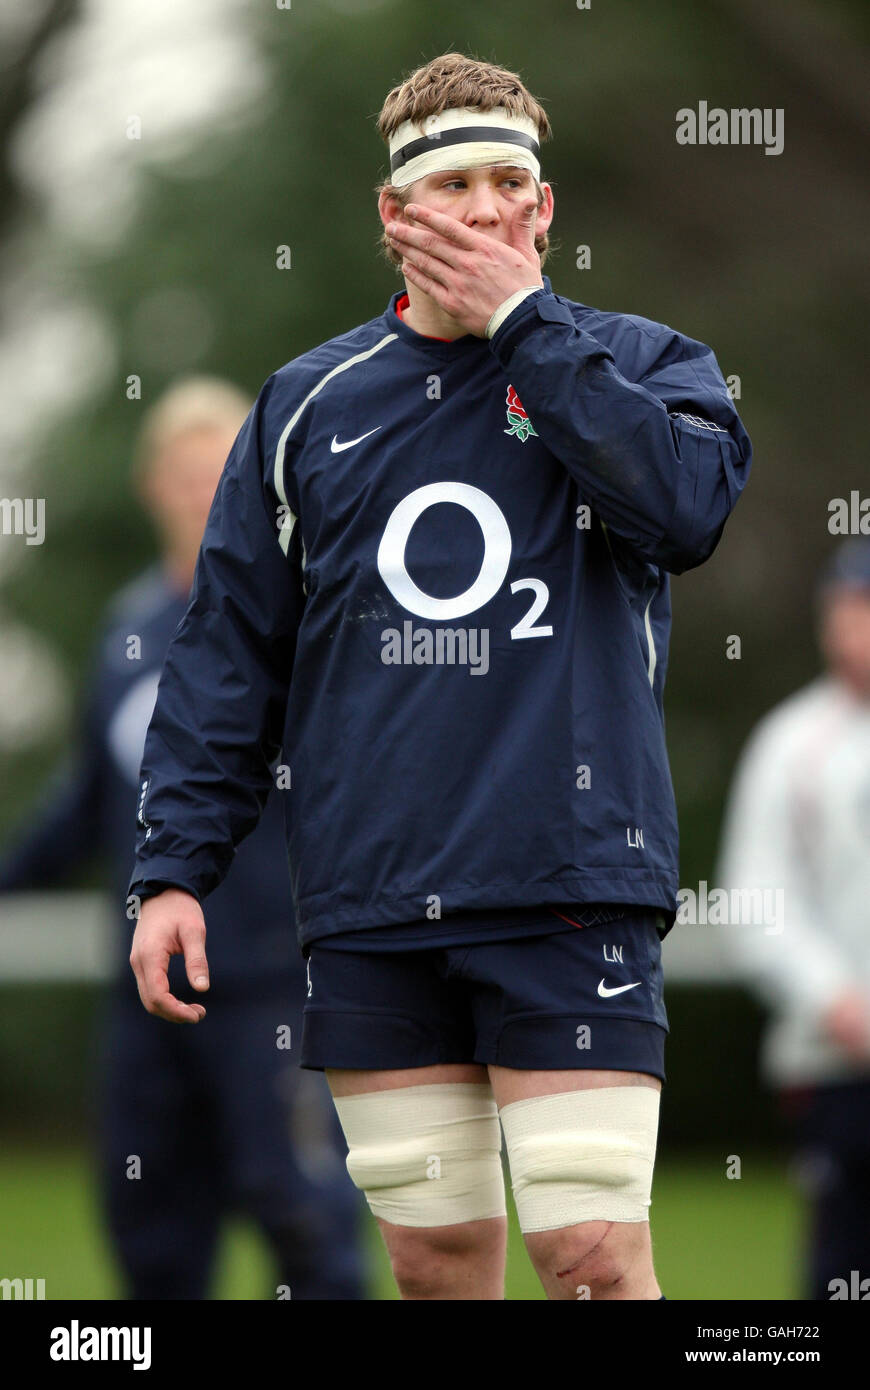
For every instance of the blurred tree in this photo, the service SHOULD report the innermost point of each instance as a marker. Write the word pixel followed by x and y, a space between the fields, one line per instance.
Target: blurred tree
pixel 20 60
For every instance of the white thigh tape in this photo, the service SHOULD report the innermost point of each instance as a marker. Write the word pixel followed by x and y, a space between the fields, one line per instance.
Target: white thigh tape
pixel 582 1155
pixel 426 1155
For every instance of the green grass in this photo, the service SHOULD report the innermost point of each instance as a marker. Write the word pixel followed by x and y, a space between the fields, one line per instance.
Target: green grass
pixel 714 1238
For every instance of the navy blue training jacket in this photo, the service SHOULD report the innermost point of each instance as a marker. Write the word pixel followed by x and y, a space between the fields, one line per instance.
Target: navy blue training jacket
pixel 434 585
pixel 88 811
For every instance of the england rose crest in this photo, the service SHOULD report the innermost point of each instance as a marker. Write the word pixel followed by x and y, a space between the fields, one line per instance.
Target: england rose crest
pixel 520 423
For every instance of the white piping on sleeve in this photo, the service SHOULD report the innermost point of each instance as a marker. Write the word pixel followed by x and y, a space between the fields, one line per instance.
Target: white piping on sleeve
pixel 651 646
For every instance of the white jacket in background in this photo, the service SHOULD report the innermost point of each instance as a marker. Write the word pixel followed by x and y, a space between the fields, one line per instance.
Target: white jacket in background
pixel 798 819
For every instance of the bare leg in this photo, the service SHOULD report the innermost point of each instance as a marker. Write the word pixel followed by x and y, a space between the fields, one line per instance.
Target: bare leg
pixel 463 1261
pixel 595 1259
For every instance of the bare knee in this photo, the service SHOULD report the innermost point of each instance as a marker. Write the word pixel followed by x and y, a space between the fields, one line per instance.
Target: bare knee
pixel 596 1259
pixel 431 1259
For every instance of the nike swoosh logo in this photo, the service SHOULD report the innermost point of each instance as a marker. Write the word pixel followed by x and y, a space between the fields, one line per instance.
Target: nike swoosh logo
pixel 336 448
pixel 618 989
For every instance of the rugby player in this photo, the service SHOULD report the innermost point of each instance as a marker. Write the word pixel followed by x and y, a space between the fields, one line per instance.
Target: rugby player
pixel 435 579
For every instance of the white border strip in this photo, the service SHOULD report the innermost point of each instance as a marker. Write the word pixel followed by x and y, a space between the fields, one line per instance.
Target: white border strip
pixel 286 531
pixel 651 646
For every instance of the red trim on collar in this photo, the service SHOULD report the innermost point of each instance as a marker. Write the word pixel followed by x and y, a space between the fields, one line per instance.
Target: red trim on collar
pixel 402 303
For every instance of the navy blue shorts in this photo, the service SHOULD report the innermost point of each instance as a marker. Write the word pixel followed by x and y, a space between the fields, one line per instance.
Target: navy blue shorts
pixel 586 997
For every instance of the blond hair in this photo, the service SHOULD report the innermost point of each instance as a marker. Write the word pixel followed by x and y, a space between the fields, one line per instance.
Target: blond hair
pixel 451 80
pixel 193 403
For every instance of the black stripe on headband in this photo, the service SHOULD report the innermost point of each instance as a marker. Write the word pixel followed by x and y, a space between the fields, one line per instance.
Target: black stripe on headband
pixel 461 136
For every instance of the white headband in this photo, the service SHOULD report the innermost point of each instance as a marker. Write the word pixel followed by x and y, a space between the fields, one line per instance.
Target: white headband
pixel 463 137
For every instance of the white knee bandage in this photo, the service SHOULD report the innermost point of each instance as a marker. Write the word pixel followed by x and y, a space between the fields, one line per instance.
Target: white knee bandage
pixel 426 1155
pixel 582 1155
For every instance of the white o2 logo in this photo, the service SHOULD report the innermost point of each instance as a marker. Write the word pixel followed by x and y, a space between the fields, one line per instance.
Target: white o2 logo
pixel 494 567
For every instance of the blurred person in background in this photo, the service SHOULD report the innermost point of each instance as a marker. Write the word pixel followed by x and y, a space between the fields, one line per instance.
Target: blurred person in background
pixel 194 1125
pixel 798 820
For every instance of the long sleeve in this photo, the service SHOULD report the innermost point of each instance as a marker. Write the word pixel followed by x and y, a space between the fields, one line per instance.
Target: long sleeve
pixel 218 720
pixel 654 443
pixel 63 832
pixel 801 967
